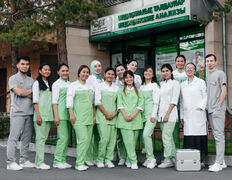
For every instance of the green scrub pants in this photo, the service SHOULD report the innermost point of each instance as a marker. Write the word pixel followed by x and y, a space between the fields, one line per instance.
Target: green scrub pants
pixel 42 132
pixel 83 138
pixel 63 134
pixel 120 146
pixel 147 137
pixel 176 135
pixel 130 138
pixel 167 138
pixel 92 151
pixel 141 140
pixel 106 146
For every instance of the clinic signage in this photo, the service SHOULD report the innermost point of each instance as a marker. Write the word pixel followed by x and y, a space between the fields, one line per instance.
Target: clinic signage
pixel 157 14
pixel 101 25
pixel 153 13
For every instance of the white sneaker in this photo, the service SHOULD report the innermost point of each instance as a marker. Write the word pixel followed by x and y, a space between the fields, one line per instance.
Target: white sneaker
pixel 215 167
pixel 134 166
pixel 145 163
pixel 90 163
pixel 173 160
pixel 151 163
pixel 121 162
pixel 27 164
pixel 143 151
pixel 128 165
pixel 109 165
pixel 224 165
pixel 86 166
pixel 14 166
pixel 81 168
pixel 59 166
pixel 100 165
pixel 166 164
pixel 67 165
pixel 202 165
pixel 42 166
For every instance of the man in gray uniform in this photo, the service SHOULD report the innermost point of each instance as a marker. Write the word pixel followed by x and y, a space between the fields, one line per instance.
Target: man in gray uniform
pixel 21 114
pixel 216 90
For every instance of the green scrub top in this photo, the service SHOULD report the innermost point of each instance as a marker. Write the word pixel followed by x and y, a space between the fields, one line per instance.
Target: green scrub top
pixel 148 105
pixel 45 106
pixel 108 101
pixel 83 107
pixel 130 102
pixel 62 109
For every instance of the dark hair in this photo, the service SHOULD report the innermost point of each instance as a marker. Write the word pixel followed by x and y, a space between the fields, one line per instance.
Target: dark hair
pixel 124 76
pixel 180 56
pixel 60 66
pixel 81 68
pixel 26 58
pixel 110 69
pixel 118 65
pixel 131 60
pixel 192 64
pixel 209 55
pixel 153 78
pixel 168 66
pixel 42 85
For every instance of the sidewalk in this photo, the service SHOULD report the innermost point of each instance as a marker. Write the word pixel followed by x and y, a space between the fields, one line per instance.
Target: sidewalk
pixel 94 173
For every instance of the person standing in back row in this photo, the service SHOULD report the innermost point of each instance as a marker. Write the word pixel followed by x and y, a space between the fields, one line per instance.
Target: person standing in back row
pixel 216 105
pixel 21 114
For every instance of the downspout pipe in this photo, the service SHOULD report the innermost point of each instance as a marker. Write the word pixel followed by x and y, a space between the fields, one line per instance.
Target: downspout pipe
pixel 225 59
pixel 224 51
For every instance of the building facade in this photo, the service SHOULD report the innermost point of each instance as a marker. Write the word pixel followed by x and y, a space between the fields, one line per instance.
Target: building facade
pixel 151 31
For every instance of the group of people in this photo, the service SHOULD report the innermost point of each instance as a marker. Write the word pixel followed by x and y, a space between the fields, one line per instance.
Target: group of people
pixel 115 111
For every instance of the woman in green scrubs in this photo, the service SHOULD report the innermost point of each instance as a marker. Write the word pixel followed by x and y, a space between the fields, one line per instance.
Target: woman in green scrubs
pixel 61 116
pixel 81 111
pixel 94 79
pixel 130 104
pixel 43 116
pixel 151 93
pixel 105 100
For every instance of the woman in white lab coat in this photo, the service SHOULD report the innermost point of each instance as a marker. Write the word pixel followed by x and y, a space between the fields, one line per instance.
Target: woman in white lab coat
pixel 192 109
pixel 168 116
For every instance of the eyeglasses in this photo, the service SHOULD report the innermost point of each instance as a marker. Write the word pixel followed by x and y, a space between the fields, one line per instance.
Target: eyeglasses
pixel 190 68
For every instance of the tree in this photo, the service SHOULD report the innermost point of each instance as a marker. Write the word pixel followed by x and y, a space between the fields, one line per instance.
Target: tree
pixel 218 11
pixel 22 21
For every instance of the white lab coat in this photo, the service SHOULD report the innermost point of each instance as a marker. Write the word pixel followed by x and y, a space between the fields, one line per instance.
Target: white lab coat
pixel 93 81
pixel 169 94
pixel 137 80
pixel 193 96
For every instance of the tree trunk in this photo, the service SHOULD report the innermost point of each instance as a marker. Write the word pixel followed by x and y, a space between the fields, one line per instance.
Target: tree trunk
pixel 61 44
pixel 14 56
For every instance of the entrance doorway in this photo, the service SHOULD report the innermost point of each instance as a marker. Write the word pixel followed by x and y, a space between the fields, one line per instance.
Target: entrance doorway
pixel 52 60
pixel 141 55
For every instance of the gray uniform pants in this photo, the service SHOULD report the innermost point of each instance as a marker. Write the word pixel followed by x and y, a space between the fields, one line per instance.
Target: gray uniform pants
pixel 20 126
pixel 217 123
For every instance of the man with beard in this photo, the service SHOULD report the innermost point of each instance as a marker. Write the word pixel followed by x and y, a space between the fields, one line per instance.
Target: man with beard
pixel 21 114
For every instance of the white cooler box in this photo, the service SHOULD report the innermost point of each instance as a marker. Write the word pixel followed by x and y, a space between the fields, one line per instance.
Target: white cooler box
pixel 188 160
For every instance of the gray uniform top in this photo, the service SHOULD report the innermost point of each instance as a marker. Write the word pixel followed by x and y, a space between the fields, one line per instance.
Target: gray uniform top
pixel 20 105
pixel 215 80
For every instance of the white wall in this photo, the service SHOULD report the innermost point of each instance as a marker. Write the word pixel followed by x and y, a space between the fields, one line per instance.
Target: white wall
pixel 130 5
